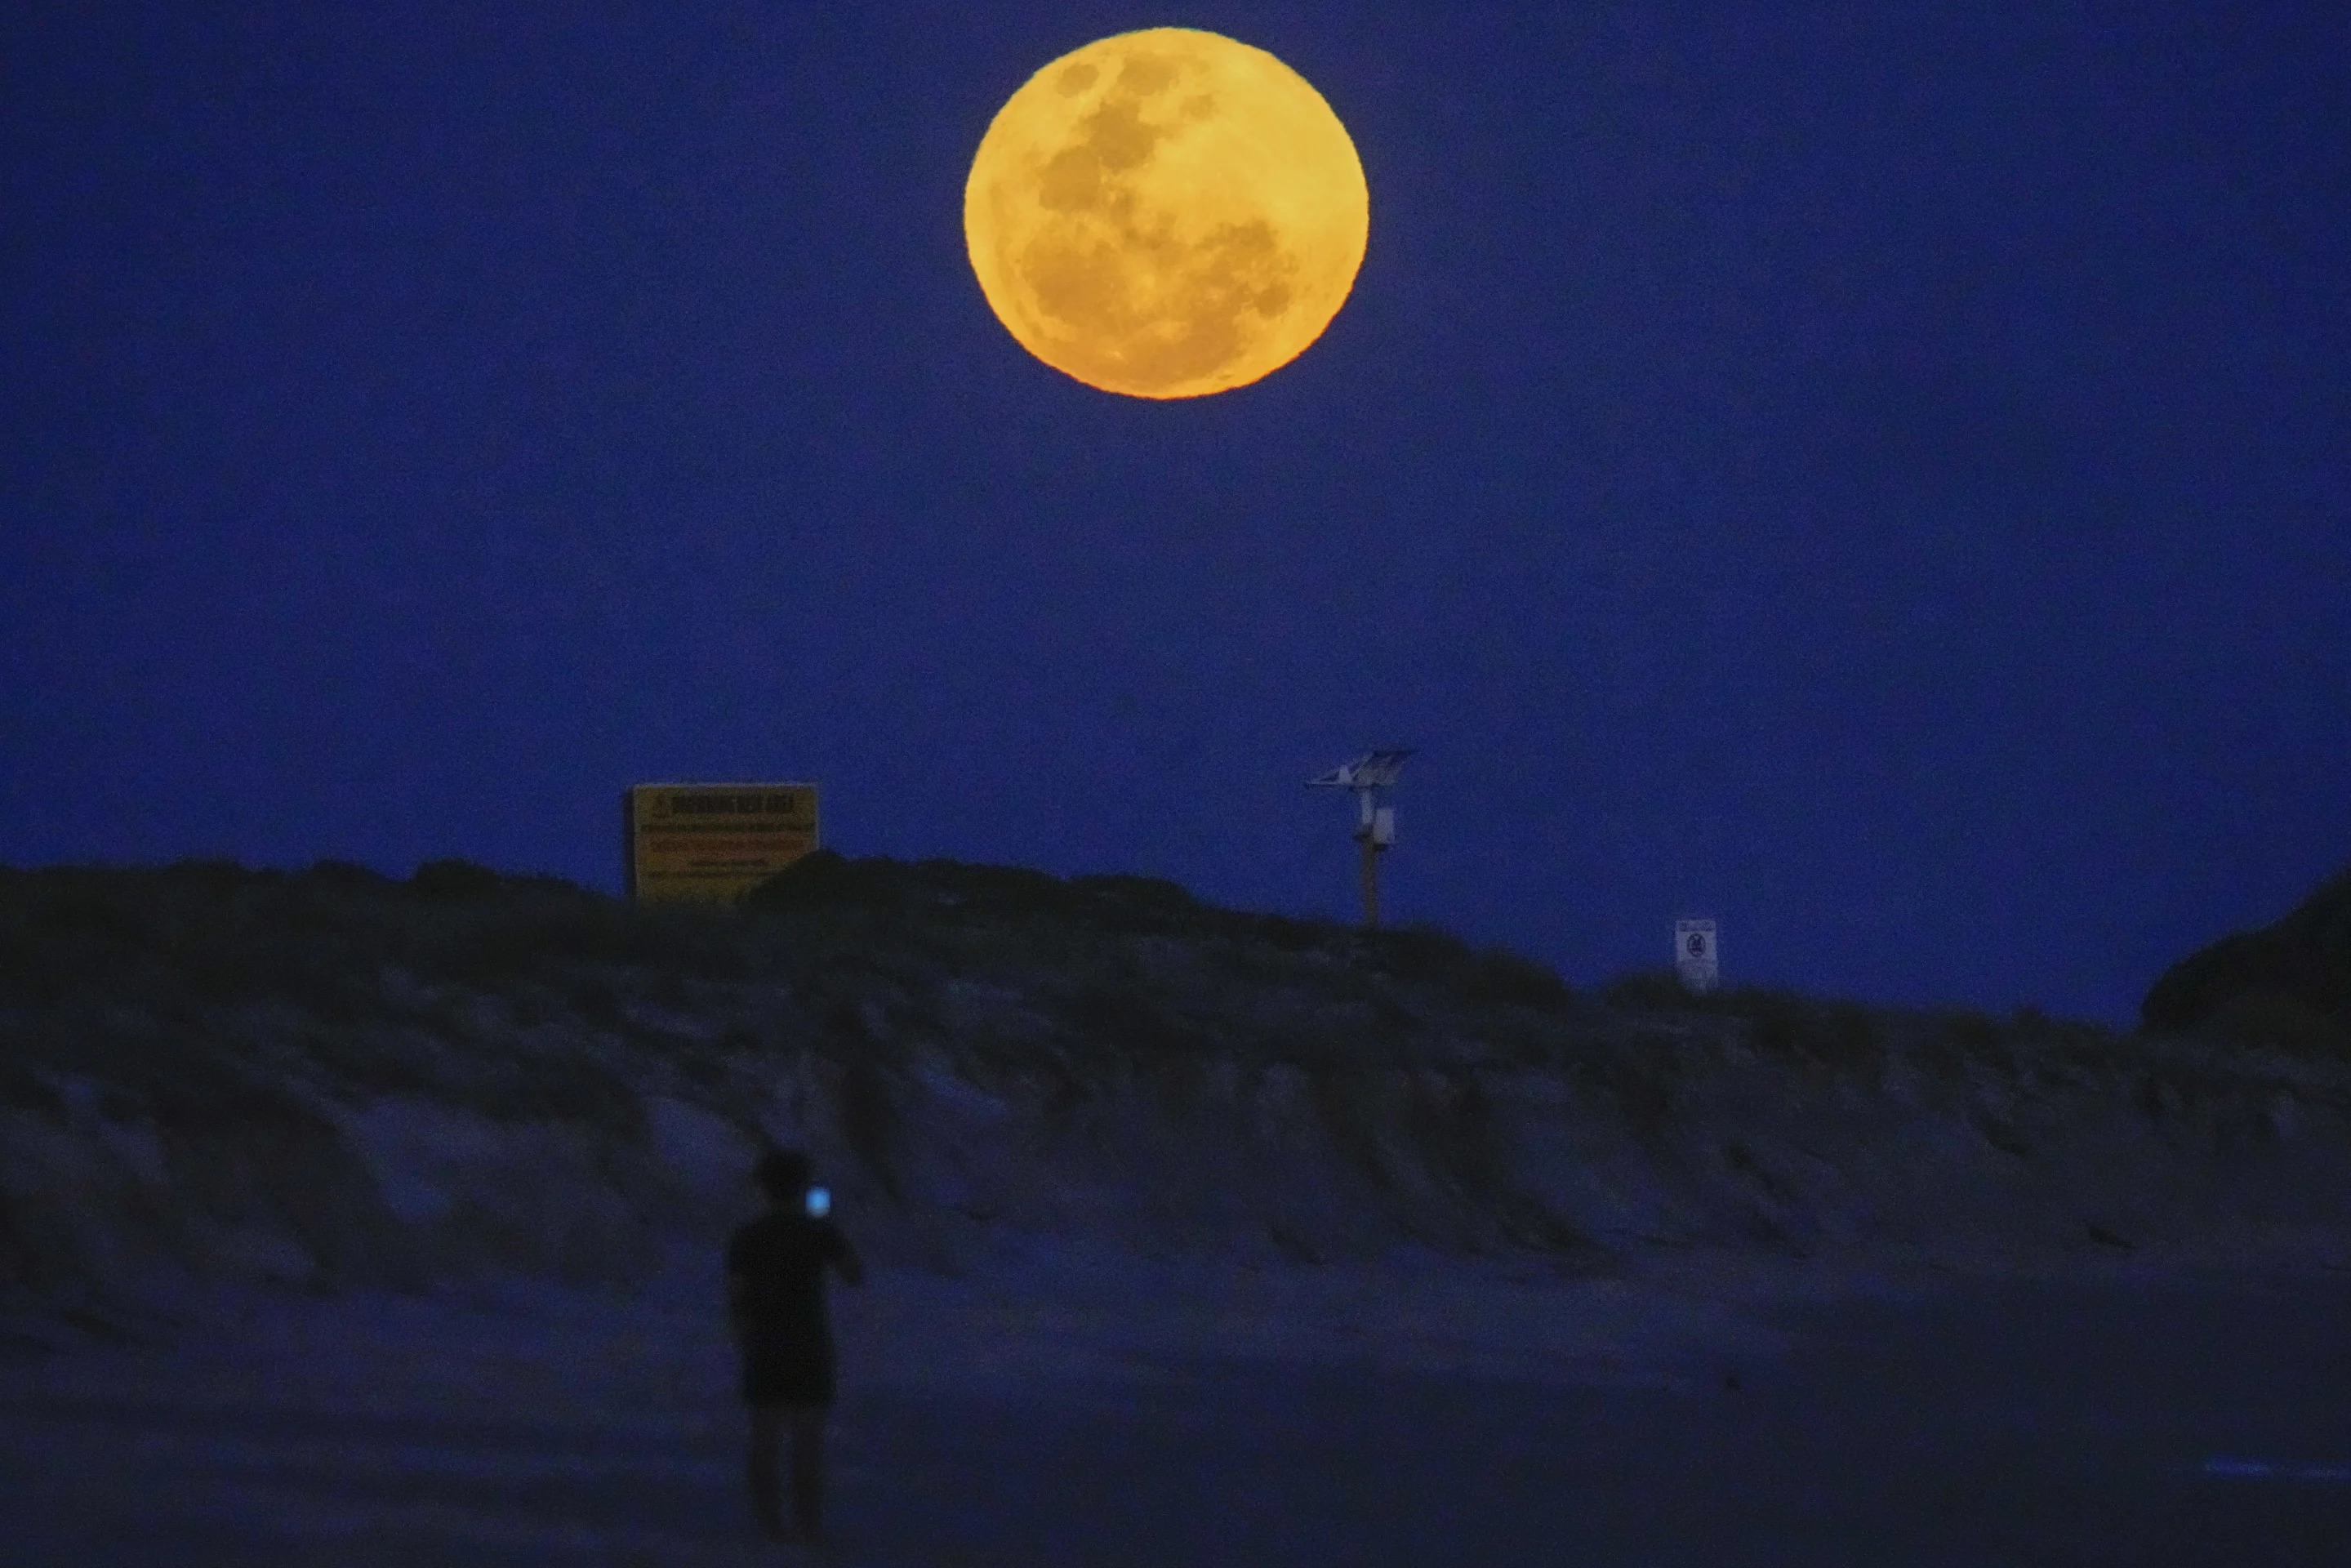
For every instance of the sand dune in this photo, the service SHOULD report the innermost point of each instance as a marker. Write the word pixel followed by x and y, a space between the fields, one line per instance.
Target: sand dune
pixel 338 1216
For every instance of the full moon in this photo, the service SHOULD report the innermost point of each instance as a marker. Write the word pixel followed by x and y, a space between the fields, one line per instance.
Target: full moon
pixel 1165 214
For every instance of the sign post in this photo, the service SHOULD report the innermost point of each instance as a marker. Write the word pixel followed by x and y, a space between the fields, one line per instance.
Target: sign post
pixel 711 844
pixel 1366 776
pixel 1696 955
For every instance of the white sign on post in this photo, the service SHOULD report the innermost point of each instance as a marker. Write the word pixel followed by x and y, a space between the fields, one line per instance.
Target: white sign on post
pixel 1695 954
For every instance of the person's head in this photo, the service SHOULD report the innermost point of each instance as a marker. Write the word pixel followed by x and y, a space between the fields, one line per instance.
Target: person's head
pixel 784 1176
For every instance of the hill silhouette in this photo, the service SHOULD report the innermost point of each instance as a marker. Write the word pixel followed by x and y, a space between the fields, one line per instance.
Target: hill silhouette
pixel 335 1078
pixel 2288 982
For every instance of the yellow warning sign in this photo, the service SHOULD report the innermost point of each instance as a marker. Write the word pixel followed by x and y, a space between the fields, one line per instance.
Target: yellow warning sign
pixel 712 843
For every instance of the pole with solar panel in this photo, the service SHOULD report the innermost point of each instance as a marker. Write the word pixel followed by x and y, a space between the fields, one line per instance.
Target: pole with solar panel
pixel 1375 831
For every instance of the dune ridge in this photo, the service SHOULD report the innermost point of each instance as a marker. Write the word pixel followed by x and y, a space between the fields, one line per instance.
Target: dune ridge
pixel 331 1079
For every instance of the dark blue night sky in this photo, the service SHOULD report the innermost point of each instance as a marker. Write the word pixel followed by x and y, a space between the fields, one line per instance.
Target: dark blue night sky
pixel 1873 473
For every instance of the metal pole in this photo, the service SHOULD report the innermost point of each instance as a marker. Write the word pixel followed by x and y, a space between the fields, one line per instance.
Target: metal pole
pixel 1370 882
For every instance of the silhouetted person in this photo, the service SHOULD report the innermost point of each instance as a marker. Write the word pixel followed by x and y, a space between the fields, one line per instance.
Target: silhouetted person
pixel 775 1303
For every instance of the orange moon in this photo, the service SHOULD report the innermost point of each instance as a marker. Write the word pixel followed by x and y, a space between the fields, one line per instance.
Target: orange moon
pixel 1166 214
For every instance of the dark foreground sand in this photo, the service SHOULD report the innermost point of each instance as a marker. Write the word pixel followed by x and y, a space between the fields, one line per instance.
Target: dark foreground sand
pixel 1067 1410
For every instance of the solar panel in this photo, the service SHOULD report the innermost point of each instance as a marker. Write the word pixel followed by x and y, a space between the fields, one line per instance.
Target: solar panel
pixel 1371 770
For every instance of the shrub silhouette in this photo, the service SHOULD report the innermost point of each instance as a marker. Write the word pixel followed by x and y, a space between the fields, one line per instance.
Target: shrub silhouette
pixel 1138 899
pixel 1654 990
pixel 1973 1031
pixel 1288 935
pixel 1843 1035
pixel 940 896
pixel 453 879
pixel 2278 1018
pixel 2305 953
pixel 1776 1018
pixel 1431 955
pixel 825 878
pixel 348 875
pixel 819 877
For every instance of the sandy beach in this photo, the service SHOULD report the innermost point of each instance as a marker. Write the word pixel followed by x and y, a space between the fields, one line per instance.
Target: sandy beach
pixel 1077 1407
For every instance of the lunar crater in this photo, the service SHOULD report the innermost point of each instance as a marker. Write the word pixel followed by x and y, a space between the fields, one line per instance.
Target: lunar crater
pixel 1147 75
pixel 1118 137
